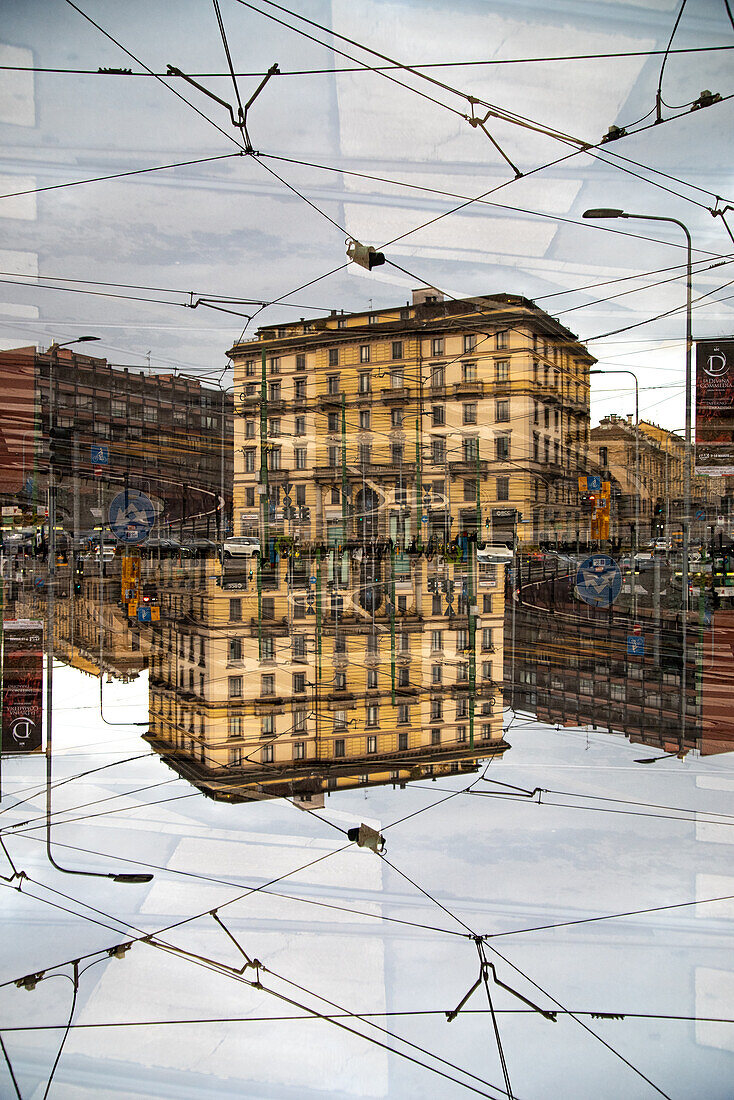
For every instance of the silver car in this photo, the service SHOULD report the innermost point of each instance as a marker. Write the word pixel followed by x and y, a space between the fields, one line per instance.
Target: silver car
pixel 241 546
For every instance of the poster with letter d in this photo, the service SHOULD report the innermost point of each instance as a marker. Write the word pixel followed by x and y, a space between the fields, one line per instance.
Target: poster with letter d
pixel 22 711
pixel 715 407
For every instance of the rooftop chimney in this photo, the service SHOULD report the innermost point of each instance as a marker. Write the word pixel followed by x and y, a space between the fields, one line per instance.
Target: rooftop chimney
pixel 426 294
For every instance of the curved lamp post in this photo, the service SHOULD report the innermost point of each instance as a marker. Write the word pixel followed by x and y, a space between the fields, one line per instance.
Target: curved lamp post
pixel 607 212
pixel 114 875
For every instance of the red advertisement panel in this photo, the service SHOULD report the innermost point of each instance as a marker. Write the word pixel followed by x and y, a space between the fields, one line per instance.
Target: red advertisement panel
pixel 22 713
pixel 715 407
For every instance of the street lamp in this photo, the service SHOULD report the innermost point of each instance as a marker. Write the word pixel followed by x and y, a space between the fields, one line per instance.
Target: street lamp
pixel 605 212
pixel 50 590
pixel 636 543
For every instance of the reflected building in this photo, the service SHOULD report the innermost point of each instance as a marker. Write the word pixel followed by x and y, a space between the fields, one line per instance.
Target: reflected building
pixel 570 664
pixel 281 678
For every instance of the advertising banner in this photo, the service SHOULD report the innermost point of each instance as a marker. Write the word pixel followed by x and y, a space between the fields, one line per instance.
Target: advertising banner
pixel 714 407
pixel 22 710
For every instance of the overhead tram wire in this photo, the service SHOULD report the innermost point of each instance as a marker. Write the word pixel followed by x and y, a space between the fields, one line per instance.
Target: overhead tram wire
pixel 120 175
pixel 497 113
pixel 415 65
pixel 158 78
pixel 469 200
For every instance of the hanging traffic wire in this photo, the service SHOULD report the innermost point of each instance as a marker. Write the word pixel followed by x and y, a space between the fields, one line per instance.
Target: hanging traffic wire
pixel 239 121
pixel 480 124
pixel 486 969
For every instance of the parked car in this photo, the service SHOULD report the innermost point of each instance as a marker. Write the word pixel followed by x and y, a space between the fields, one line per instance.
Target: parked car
pixel 241 546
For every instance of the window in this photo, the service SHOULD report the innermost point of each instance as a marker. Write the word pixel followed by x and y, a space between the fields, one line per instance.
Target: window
pixel 266 754
pixel 435 737
pixel 438 450
pixel 235 687
pixel 341 322
pixel 339 747
pixel 267 685
pixel 365 454
pixel 364 353
pixel 333 422
pixel 461 733
pixel 471 449
pixel 373 644
pixel 403 714
pixel 502 412
pixel 299 683
pixel 300 456
pixel 470 342
pixel 250 497
pixel 502 370
pixel 300 494
pixel 268 648
pixel 486 605
pixel 299 645
pixel 396 418
pixel 234 725
pixel 436 672
pixel 372 319
pixel 299 720
pixel 486 670
pixel 250 368
pixel 503 488
pixel 371 678
pixel 404 677
pixel 397 349
pixel 333 357
pixel 268 607
pixel 249 429
pixel 364 420
pixel 235 649
pixel 371 717
pixel 469 372
pixel 437 640
pixel 556 420
pixel 536 456
pixel 436 709
pixel 402 742
pixel 437 345
pixel 333 456
pixel 470 489
pixel 462 707
pixel 365 382
pixel 274 391
pixel 300 363
pixel 274 427
pixel 235 757
pixel 462 673
pixel 502 340
pixel 438 377
pixel 396 453
pixel 335 495
pixel 486 732
pixel 118 408
pixel 299 750
pixel 397 379
pixel 332 384
pixel 300 425
pixel 249 462
pixel 299 607
pixel 604 456
pixel 235 609
pixel 470 414
pixel 150 414
pixel 274 459
pixel 502 447
pixel 438 416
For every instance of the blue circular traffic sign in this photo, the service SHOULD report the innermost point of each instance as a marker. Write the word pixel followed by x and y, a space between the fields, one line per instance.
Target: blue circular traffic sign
pixel 599 580
pixel 131 516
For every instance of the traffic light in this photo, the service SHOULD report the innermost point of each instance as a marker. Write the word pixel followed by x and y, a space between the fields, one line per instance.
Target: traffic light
pixel 364 255
pixel 60 449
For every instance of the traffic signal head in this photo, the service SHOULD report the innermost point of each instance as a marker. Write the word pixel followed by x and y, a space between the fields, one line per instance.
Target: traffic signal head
pixel 364 255
pixel 60 448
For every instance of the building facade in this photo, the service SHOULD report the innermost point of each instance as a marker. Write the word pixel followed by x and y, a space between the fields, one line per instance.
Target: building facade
pixel 164 434
pixel 660 486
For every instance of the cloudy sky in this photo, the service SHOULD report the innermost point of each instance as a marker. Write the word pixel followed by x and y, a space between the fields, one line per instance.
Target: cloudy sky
pixel 609 837
pixel 377 155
